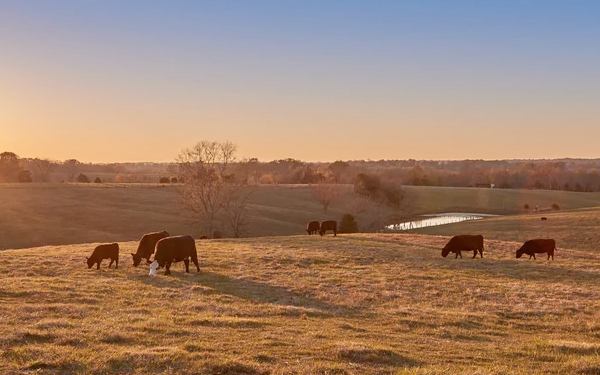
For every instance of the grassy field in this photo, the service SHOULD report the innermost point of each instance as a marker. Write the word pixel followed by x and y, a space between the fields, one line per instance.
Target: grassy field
pixel 56 214
pixel 575 228
pixel 356 304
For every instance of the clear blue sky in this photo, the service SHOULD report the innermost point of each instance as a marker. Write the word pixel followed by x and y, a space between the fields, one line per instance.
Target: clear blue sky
pixel 314 80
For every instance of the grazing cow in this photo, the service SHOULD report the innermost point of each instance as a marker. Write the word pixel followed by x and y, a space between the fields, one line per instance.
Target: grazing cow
pixel 328 225
pixel 312 227
pixel 465 242
pixel 146 247
pixel 544 218
pixel 537 246
pixel 174 249
pixel 203 238
pixel 107 251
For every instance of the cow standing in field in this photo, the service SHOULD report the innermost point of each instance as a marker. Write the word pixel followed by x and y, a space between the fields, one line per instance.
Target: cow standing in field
pixel 328 225
pixel 544 218
pixel 146 247
pixel 107 251
pixel 312 227
pixel 465 242
pixel 538 246
pixel 174 249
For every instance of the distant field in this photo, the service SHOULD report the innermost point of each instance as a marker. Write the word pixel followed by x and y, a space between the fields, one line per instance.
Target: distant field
pixel 355 304
pixel 571 229
pixel 54 214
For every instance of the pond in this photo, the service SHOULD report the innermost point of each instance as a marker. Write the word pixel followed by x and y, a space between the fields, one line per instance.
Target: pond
pixel 437 219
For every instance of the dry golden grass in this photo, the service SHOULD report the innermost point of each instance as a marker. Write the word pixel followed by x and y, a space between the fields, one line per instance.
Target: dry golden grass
pixel 576 228
pixel 360 304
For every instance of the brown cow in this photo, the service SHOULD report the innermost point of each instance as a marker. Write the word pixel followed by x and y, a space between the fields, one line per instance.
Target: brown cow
pixel 464 242
pixel 312 227
pixel 537 246
pixel 544 218
pixel 328 225
pixel 106 251
pixel 146 247
pixel 175 249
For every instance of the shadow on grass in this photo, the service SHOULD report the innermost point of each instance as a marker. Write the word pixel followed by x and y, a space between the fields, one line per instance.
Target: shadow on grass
pixel 522 269
pixel 245 289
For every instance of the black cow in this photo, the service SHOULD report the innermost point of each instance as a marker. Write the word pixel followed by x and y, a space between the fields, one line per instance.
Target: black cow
pixel 537 246
pixel 175 249
pixel 146 247
pixel 106 251
pixel 328 225
pixel 544 218
pixel 465 242
pixel 312 227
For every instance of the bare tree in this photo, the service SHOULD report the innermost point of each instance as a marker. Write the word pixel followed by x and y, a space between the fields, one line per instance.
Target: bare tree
pixel 326 194
pixel 204 167
pixel 44 167
pixel 237 211
pixel 71 167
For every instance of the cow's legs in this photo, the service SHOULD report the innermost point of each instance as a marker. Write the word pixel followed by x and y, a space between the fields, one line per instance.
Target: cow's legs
pixel 98 265
pixel 186 261
pixel 481 252
pixel 474 253
pixel 534 256
pixel 168 268
pixel 111 262
pixel 195 260
pixel 456 256
pixel 117 263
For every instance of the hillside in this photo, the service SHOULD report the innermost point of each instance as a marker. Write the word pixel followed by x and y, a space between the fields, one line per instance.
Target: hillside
pixel 360 304
pixel 57 214
pixel 571 229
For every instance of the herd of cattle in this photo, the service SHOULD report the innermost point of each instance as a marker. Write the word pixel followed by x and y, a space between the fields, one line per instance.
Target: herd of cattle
pixel 170 249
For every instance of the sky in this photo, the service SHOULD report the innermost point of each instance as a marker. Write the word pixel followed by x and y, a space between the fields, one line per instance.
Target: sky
pixel 121 81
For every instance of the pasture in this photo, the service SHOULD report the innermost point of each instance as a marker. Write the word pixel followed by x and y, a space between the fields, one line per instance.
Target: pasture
pixel 578 229
pixel 355 304
pixel 58 214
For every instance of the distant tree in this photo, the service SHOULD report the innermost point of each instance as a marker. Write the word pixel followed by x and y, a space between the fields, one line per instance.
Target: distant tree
pixel 338 168
pixel 83 178
pixel 205 193
pixel 44 167
pixel 326 194
pixel 237 211
pixel 164 180
pixel 25 176
pixel 9 167
pixel 71 167
pixel 173 180
pixel 555 206
pixel 367 185
pixel 348 224
pixel 97 180
pixel 526 206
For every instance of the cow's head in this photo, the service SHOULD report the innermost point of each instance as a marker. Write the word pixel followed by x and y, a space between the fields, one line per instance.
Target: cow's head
pixel 445 252
pixel 137 259
pixel 89 262
pixel 520 252
pixel 154 268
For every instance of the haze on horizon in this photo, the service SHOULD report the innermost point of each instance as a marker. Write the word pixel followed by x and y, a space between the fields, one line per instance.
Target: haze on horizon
pixel 110 81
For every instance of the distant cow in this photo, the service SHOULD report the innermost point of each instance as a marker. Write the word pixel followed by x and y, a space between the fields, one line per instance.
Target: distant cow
pixel 312 227
pixel 465 242
pixel 107 251
pixel 174 249
pixel 146 247
pixel 544 218
pixel 537 246
pixel 203 238
pixel 328 225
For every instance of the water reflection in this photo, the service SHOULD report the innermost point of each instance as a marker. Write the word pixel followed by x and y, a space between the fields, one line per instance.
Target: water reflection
pixel 438 219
